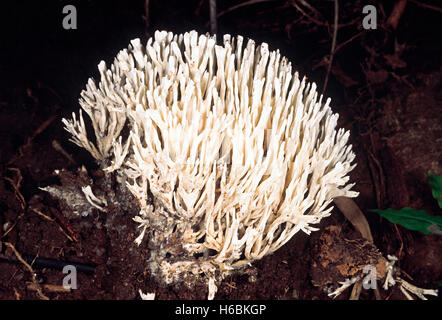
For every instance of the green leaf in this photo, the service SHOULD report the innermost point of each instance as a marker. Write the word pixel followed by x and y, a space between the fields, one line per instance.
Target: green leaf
pixel 419 220
pixel 435 182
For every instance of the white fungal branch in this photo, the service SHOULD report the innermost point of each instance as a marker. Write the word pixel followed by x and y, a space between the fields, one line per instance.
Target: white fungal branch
pixel 419 292
pixel 238 152
pixel 344 285
pixel 405 287
pixel 389 280
pixel 146 296
pixel 93 200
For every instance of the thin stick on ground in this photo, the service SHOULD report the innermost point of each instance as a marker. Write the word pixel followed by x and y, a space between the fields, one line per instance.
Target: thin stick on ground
pixel 426 6
pixel 247 3
pixel 29 140
pixel 16 294
pixel 33 275
pixel 310 7
pixel 343 44
pixel 16 184
pixel 146 16
pixel 396 13
pixel 381 175
pixel 399 254
pixel 213 19
pixel 333 46
pixel 309 17
pixel 54 221
pixel 49 287
pixel 12 227
pixel 57 146
pixel 356 291
pixel 198 7
pixel 64 223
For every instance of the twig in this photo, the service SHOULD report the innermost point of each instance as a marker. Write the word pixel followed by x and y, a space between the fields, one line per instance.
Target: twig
pixel 42 127
pixel 333 46
pixel 399 254
pixel 39 130
pixel 12 227
pixel 16 185
pixel 341 45
pixel 64 223
pixel 213 19
pixel 310 7
pixel 1 230
pixel 319 22
pixel 377 294
pixel 146 14
pixel 49 287
pixel 43 215
pixel 396 13
pixel 33 274
pixel 54 221
pixel 427 6
pixel 375 179
pixel 240 6
pixel 314 20
pixel 17 193
pixel 381 175
pixel 407 275
pixel 198 8
pixel 17 295
pixel 356 291
pixel 57 146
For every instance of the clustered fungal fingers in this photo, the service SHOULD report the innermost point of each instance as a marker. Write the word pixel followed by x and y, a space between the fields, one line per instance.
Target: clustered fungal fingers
pixel 238 152
pixel 79 135
pixel 419 292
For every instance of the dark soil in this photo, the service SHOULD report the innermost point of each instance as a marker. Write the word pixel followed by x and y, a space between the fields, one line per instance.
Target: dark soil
pixel 385 84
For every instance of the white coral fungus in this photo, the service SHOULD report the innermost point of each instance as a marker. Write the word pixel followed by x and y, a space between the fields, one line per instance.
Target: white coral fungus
pixel 238 152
